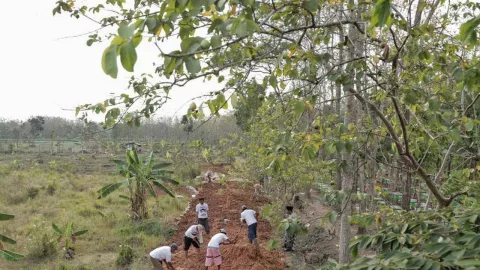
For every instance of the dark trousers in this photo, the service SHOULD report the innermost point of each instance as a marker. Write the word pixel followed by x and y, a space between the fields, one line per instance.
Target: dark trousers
pixel 204 223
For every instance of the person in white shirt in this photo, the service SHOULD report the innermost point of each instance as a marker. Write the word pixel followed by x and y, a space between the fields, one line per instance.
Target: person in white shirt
pixel 193 236
pixel 162 255
pixel 201 211
pixel 213 249
pixel 250 217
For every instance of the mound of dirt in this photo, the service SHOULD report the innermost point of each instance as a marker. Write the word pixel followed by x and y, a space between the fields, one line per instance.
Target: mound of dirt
pixel 224 202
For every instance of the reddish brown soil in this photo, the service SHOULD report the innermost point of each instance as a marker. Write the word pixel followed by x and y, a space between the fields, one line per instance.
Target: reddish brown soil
pixel 225 203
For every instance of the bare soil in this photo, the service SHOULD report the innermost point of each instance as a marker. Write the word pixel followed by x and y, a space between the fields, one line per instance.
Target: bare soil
pixel 225 202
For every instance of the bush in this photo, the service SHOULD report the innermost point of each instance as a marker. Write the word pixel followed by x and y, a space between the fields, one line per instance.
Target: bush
pixel 32 192
pixel 136 240
pixel 126 255
pixel 52 186
pixel 188 171
pixel 42 242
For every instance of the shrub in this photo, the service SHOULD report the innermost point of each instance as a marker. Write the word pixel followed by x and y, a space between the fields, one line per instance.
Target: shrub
pixel 188 171
pixel 126 255
pixel 52 186
pixel 42 242
pixel 136 240
pixel 32 192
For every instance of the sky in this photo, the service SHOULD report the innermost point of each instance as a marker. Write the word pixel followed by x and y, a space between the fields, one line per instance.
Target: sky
pixel 44 73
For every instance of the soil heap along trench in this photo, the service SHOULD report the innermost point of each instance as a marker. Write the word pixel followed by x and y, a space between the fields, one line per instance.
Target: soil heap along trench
pixel 224 202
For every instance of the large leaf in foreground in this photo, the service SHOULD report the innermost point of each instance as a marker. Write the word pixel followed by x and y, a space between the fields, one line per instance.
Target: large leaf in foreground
pixel 162 187
pixel 10 256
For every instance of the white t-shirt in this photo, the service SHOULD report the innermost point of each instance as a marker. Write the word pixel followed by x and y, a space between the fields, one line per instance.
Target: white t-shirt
pixel 202 210
pixel 193 232
pixel 217 239
pixel 162 253
pixel 249 216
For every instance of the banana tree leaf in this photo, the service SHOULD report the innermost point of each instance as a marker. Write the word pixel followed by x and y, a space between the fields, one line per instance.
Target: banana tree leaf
pixel 162 187
pixel 69 229
pixel 169 180
pixel 6 217
pixel 150 190
pixel 161 172
pixel 10 256
pixel 5 239
pixel 57 229
pixel 161 165
pixel 106 190
pixel 78 233
pixel 124 197
pixel 149 161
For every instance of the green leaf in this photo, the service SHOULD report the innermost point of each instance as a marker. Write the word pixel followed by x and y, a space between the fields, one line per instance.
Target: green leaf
pixel 109 61
pixel 151 24
pixel 468 30
pixel 193 65
pixel 310 5
pixel 469 126
pixel 299 107
pixel 272 244
pixel 468 263
pixel 78 233
pixel 124 197
pixel 6 217
pixel 273 81
pixel 10 256
pixel 161 165
pixel 332 217
pixel 126 31
pixel 6 239
pixel 162 187
pixel 234 100
pixel 57 229
pixel 216 41
pixel 128 56
pixel 106 190
pixel 381 13
pixel 137 39
pixel 169 180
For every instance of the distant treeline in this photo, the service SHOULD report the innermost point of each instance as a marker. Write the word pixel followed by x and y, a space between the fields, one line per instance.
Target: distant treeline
pixel 166 128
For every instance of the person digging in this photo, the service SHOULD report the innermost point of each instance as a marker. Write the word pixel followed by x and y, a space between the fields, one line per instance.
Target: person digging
pixel 213 256
pixel 193 236
pixel 249 217
pixel 162 255
pixel 201 211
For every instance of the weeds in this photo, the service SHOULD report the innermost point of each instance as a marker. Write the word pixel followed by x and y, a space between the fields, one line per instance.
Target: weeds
pixel 126 255
pixel 41 241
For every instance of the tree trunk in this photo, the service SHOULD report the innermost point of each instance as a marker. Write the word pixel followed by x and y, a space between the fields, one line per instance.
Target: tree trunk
pixel 344 255
pixel 139 203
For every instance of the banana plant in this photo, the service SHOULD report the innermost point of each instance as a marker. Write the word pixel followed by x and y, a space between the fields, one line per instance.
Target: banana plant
pixel 140 177
pixel 69 235
pixel 6 254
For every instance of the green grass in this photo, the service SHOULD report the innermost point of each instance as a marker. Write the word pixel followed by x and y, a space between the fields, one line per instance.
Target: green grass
pixel 58 190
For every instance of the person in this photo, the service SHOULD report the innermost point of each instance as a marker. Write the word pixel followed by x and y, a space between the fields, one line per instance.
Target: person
pixel 201 211
pixel 193 236
pixel 289 239
pixel 162 255
pixel 249 216
pixel 213 256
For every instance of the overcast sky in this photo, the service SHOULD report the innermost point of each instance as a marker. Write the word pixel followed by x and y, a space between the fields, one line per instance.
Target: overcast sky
pixel 43 74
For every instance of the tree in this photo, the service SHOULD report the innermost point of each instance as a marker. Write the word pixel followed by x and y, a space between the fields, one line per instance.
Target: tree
pixel 36 126
pixel 140 177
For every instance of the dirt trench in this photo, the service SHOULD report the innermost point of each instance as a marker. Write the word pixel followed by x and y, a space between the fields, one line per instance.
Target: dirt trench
pixel 224 202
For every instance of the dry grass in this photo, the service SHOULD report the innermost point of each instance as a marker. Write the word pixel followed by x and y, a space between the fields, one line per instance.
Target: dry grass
pixel 74 199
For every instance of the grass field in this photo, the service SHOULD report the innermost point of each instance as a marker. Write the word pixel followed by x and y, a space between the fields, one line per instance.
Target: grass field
pixel 40 189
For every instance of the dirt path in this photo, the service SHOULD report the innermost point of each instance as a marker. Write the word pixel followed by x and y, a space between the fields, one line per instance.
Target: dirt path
pixel 225 202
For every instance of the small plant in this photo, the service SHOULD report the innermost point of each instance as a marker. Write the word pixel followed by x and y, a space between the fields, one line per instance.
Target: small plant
pixel 126 255
pixel 32 192
pixel 6 254
pixel 52 186
pixel 69 235
pixel 42 242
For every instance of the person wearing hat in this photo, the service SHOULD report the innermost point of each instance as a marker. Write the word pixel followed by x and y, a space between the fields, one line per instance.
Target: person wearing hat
pixel 213 249
pixel 249 216
pixel 193 236
pixel 201 211
pixel 289 239
pixel 162 255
